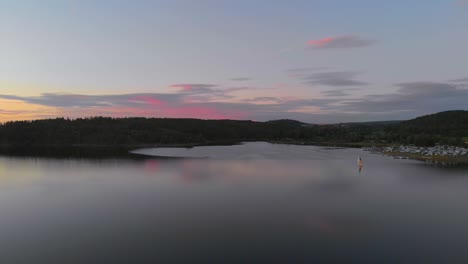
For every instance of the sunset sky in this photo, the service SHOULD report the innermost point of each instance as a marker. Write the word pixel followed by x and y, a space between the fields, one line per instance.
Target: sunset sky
pixel 318 61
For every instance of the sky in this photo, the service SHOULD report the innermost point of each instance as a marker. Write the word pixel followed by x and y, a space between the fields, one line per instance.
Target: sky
pixel 317 61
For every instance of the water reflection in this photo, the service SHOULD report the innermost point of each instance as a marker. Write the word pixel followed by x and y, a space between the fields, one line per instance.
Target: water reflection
pixel 337 227
pixel 290 204
pixel 152 165
pixel 67 152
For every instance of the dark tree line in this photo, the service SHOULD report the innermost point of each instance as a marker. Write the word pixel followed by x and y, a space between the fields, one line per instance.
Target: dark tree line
pixel 446 128
pixel 135 131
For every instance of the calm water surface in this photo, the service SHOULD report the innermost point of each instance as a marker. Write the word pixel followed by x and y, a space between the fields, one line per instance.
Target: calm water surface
pixel 253 203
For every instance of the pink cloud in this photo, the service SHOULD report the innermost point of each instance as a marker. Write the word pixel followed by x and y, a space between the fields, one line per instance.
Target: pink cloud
pixel 321 42
pixel 340 42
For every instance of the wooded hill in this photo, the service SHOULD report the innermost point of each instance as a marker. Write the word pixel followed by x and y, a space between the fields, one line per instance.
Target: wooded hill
pixel 449 127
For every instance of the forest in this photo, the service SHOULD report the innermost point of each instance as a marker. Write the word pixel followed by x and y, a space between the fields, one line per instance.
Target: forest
pixel 450 127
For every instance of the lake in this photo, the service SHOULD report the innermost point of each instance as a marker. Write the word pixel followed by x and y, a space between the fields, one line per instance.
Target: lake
pixel 250 203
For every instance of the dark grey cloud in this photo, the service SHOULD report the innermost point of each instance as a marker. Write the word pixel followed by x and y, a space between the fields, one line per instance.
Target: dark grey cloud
pixel 410 100
pixel 78 100
pixel 335 93
pixel 304 71
pixel 197 92
pixel 340 42
pixel 338 93
pixel 337 78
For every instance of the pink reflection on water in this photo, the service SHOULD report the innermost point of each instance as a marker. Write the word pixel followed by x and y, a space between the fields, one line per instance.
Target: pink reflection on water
pixel 152 165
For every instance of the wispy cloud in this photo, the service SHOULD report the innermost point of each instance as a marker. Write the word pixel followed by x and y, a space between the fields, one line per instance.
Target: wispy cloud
pixel 188 87
pixel 306 69
pixel 408 100
pixel 264 99
pixel 340 42
pixel 205 92
pixel 336 78
pixel 141 104
pixel 169 105
pixel 415 98
pixel 338 93
pixel 461 80
pixel 298 72
pixel 78 100
pixel 19 110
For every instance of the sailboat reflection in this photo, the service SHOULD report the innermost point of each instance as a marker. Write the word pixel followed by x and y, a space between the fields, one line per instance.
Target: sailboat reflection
pixel 360 163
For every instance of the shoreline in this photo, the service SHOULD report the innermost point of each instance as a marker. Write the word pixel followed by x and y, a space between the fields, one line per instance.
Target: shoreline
pixel 434 159
pixel 437 154
pixel 440 154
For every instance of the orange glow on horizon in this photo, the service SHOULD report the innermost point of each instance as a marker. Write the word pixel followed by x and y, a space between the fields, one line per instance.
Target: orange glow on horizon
pixel 13 110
